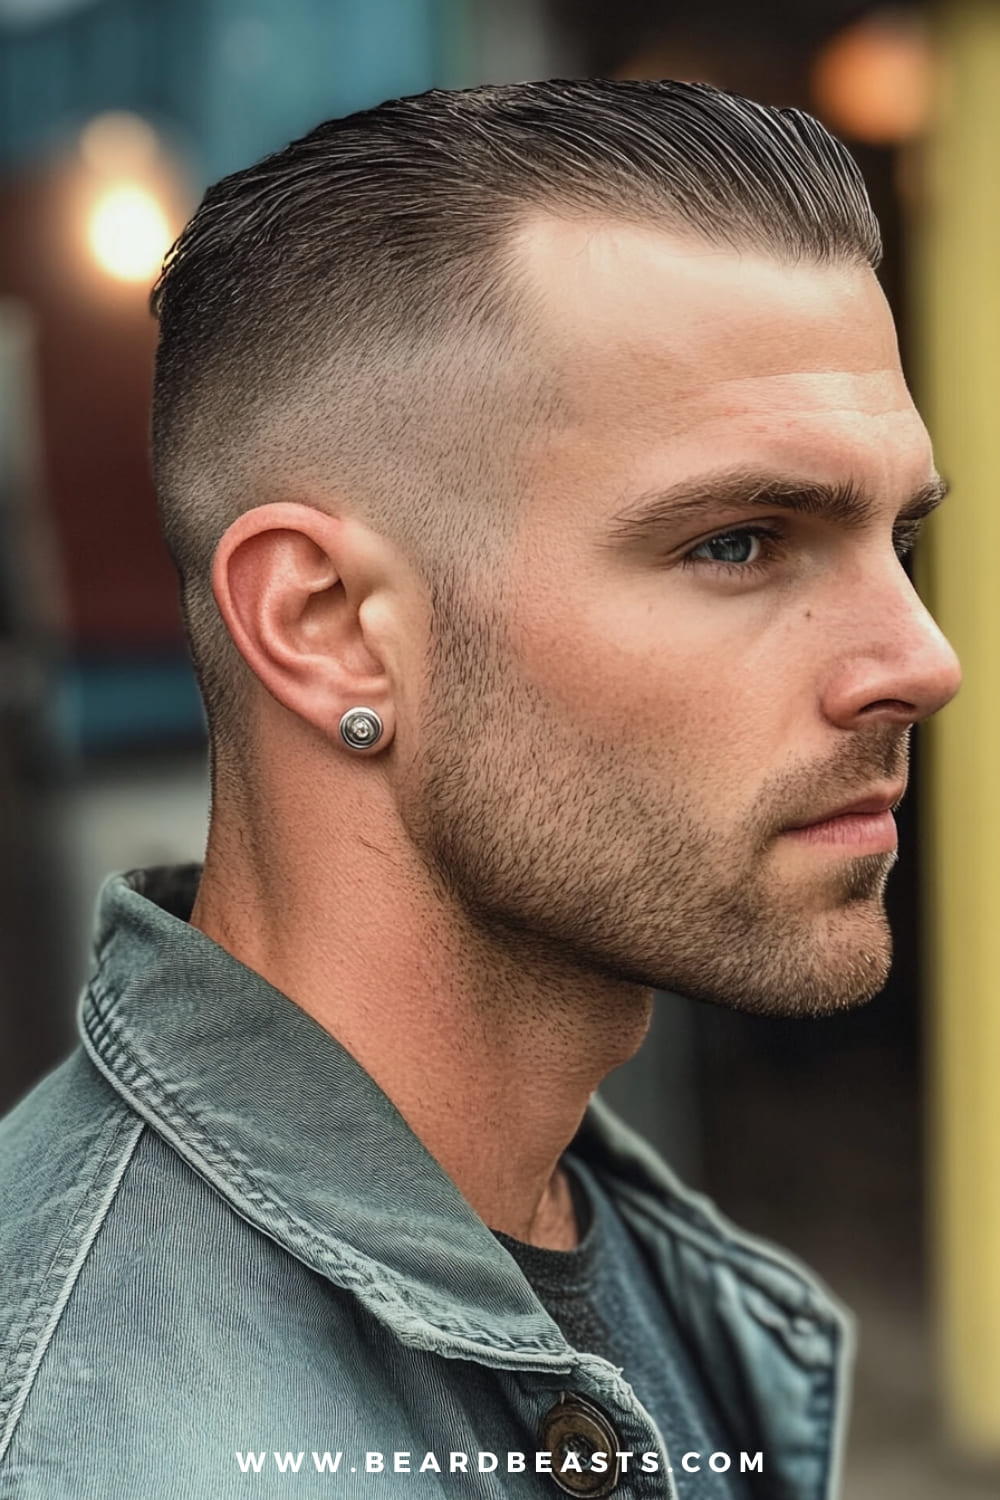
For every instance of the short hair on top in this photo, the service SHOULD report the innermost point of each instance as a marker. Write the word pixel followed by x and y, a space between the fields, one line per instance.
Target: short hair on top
pixel 344 317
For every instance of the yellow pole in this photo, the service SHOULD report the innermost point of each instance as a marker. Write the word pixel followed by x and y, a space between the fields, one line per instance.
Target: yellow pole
pixel 957 311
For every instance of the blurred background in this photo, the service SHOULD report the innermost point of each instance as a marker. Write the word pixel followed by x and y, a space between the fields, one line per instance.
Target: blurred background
pixel 869 1144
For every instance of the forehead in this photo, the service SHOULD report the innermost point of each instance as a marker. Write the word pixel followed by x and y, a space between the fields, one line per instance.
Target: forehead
pixel 676 356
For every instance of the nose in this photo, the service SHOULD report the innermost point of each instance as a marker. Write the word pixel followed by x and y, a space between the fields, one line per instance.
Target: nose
pixel 897 666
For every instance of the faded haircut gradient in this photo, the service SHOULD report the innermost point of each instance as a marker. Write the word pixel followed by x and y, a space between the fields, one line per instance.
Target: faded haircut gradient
pixel 343 322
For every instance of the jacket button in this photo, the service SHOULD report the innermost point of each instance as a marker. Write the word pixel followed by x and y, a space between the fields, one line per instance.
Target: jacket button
pixel 574 1430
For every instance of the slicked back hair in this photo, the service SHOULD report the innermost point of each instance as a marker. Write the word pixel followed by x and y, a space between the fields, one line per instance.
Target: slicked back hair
pixel 344 318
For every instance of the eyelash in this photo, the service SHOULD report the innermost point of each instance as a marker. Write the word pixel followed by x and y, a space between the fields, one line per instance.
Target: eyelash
pixel 775 545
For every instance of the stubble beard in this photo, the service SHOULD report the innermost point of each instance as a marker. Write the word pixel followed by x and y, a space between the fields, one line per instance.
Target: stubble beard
pixel 554 846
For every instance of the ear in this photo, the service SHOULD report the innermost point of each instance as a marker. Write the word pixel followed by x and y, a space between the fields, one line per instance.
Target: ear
pixel 305 596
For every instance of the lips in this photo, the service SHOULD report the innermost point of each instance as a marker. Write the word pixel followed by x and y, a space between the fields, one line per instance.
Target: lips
pixel 873 803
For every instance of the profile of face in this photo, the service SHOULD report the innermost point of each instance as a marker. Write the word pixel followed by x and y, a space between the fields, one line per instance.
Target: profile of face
pixel 701 640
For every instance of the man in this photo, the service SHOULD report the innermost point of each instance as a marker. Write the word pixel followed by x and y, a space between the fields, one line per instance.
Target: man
pixel 537 464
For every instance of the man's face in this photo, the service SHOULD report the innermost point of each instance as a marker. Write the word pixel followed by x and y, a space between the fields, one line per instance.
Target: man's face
pixel 623 725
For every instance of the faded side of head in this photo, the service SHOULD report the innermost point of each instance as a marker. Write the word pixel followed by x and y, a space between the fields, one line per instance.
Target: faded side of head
pixel 344 322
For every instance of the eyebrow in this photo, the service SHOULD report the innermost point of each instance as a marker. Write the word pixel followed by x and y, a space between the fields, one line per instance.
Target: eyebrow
pixel 845 504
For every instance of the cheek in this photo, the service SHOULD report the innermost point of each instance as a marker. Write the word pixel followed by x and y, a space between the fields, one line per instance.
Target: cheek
pixel 666 684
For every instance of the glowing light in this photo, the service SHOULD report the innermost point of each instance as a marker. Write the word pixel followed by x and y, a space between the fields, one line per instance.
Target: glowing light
pixel 874 81
pixel 128 232
pixel 118 142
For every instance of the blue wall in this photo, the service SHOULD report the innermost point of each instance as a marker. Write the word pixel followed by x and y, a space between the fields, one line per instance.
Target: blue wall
pixel 232 78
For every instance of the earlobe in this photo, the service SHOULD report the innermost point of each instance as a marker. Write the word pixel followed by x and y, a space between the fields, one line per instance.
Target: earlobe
pixel 290 591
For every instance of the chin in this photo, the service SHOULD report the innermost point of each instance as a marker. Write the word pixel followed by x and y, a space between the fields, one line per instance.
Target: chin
pixel 836 966
pixel 844 958
pixel 847 968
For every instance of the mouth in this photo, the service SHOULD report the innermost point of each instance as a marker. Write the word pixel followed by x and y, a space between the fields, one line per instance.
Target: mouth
pixel 866 825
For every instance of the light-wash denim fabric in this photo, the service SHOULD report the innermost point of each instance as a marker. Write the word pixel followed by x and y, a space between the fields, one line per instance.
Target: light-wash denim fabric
pixel 221 1245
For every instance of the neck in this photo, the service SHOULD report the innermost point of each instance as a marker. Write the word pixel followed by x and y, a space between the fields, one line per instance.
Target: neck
pixel 488 1047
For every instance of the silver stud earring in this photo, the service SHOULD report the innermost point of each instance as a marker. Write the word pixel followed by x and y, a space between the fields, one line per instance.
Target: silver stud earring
pixel 360 728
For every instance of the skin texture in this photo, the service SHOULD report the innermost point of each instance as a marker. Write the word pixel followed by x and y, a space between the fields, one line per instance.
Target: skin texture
pixel 591 756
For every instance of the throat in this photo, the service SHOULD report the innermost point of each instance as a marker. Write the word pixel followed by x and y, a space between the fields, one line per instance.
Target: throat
pixel 556 1224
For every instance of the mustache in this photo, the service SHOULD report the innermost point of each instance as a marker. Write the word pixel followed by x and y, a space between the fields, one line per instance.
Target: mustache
pixel 799 796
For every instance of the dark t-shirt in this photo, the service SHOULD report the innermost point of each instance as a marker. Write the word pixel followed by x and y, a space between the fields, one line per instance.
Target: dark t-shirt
pixel 604 1300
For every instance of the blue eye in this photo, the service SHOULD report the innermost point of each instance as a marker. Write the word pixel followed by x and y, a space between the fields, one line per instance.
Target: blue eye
pixel 743 552
pixel 732 547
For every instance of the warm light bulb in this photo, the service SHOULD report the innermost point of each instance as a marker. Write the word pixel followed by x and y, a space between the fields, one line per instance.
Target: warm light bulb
pixel 128 232
pixel 874 81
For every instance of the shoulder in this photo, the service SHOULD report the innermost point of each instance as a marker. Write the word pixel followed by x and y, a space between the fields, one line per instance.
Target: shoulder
pixel 148 1333
pixel 63 1152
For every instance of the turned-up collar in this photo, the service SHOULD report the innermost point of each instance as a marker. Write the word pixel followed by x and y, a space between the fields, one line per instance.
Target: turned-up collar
pixel 279 1117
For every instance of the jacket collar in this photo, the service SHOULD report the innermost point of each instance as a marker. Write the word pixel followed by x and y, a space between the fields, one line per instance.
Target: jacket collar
pixel 301 1141
pixel 290 1129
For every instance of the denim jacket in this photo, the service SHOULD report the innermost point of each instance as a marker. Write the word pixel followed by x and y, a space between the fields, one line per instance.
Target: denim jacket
pixel 225 1259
